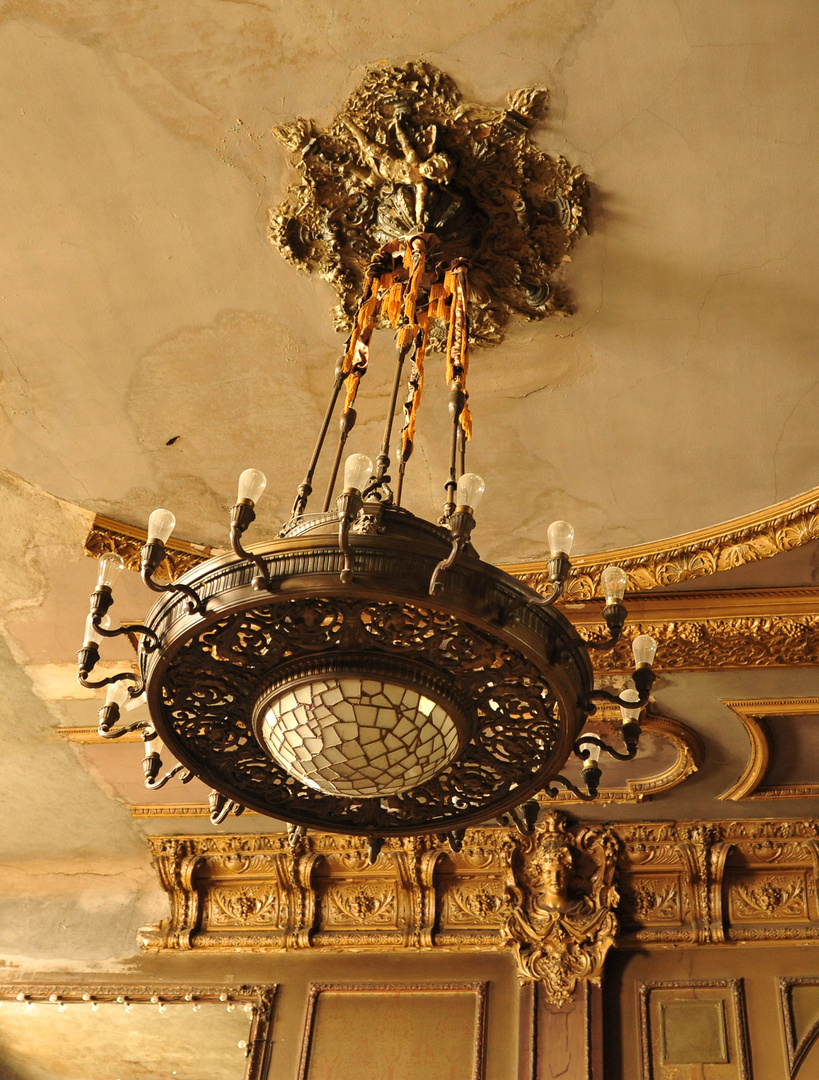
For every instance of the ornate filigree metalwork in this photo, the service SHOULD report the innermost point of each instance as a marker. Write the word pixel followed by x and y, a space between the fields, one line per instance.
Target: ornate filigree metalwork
pixel 560 918
pixel 210 687
pixel 406 154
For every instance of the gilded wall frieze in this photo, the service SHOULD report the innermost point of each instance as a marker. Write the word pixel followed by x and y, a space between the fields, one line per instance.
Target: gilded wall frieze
pixel 706 644
pixel 685 883
pixel 769 532
pixel 407 154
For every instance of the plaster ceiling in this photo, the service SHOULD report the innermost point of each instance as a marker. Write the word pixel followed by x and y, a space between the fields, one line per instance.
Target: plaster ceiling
pixel 153 343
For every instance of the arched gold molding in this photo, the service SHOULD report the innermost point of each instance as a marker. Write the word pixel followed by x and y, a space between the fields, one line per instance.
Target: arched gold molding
pixel 754 716
pixel 689 758
pixel 767 532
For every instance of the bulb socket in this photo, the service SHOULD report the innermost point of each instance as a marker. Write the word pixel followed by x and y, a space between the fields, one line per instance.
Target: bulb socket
pixel 615 616
pixel 101 600
pixel 151 764
pixel 643 678
pixel 87 658
pixel 461 523
pixel 631 732
pixel 109 716
pixel 242 515
pixel 559 567
pixel 592 775
pixel 151 557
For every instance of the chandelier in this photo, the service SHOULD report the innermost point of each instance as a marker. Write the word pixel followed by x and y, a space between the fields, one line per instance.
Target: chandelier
pixel 364 671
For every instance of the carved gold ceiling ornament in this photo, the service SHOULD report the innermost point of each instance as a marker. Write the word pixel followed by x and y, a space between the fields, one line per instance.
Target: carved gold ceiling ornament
pixel 406 155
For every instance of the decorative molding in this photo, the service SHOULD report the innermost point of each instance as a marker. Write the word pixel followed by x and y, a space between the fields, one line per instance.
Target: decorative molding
pixel 479 989
pixel 406 154
pixel 127 541
pixel 706 644
pixel 756 717
pixel 686 742
pixel 260 998
pixel 760 535
pixel 797 1049
pixel 734 993
pixel 560 907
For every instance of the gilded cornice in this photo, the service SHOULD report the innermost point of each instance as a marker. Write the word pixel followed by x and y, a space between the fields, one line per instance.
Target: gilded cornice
pixel 767 532
pixel 694 883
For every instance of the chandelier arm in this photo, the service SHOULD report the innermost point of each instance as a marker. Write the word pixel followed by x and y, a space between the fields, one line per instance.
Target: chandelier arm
pixel 150 637
pixel 629 755
pixel 609 643
pixel 553 792
pixel 239 515
pixel 306 486
pixel 97 684
pixel 175 770
pixel 196 605
pixel 615 699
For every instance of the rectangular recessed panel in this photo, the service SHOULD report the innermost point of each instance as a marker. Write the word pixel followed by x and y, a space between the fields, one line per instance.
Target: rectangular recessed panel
pixel 403 1034
pixel 694 1033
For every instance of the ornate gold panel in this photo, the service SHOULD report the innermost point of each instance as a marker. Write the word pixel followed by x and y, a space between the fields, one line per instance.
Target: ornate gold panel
pixel 354 1029
pixel 694 1028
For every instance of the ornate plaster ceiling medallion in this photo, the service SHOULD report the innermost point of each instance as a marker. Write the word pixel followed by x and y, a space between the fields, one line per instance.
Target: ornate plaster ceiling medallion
pixel 406 154
pixel 364 671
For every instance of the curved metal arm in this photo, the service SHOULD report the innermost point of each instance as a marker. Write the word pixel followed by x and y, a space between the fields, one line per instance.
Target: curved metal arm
pixel 117 732
pixel 553 792
pixel 435 586
pixel 615 699
pixel 184 775
pixel 195 602
pixel 96 684
pixel 346 574
pixel 241 516
pixel 152 638
pixel 629 755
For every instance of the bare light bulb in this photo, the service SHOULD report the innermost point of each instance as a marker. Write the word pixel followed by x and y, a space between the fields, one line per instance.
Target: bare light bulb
pixel 160 526
pixel 252 483
pixel 470 490
pixel 644 647
pixel 110 567
pixel 117 693
pixel 630 715
pixel 613 579
pixel 560 535
pixel 594 754
pixel 357 471
pixel 92 635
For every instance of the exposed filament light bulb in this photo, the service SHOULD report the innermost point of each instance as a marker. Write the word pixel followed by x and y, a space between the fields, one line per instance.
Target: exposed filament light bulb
pixel 252 483
pixel 613 580
pixel 358 469
pixel 110 567
pixel 470 490
pixel 594 754
pixel 117 694
pixel 644 647
pixel 161 524
pixel 630 715
pixel 560 535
